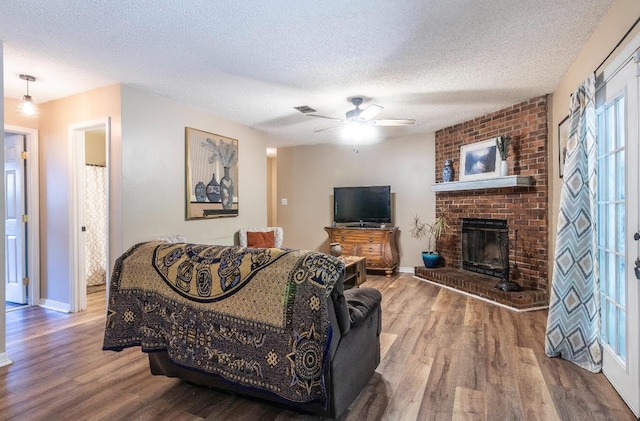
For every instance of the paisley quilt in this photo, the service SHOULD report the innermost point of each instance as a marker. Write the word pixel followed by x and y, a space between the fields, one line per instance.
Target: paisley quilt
pixel 255 317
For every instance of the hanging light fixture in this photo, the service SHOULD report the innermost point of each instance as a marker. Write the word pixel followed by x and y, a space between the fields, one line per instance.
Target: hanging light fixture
pixel 27 107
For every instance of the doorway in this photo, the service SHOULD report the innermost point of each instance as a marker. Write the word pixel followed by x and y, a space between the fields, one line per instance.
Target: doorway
pixel 22 244
pixel 617 113
pixel 95 210
pixel 89 143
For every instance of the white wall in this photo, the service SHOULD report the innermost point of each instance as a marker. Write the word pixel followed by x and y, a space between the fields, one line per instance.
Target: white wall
pixel 153 171
pixel 307 175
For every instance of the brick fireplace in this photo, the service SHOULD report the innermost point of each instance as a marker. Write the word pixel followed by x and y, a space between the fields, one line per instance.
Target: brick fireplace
pixel 524 208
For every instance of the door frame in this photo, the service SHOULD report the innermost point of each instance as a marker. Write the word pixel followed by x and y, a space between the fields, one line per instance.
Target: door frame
pixel 77 281
pixel 32 210
pixel 627 55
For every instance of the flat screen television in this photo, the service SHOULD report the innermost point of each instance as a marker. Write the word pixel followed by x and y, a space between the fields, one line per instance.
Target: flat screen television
pixel 362 205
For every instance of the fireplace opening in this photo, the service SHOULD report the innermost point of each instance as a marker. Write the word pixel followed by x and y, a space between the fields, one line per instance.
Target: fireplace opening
pixel 485 246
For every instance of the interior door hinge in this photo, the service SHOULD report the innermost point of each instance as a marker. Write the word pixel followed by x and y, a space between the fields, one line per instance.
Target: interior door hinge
pixel 25 281
pixel 24 154
pixel 25 218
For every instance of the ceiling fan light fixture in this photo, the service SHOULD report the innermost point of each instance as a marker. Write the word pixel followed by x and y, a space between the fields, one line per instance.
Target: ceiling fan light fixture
pixel 361 116
pixel 27 107
pixel 358 133
pixel 353 115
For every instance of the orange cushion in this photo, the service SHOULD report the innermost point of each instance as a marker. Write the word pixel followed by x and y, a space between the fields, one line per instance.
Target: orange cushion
pixel 257 239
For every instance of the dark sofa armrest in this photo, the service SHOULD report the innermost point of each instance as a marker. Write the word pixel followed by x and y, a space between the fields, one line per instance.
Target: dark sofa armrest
pixel 361 303
pixel 340 306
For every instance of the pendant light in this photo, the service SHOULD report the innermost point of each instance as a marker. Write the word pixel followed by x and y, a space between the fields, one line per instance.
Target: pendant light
pixel 27 107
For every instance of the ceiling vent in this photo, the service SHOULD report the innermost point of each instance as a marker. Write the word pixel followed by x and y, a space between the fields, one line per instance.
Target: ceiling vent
pixel 305 109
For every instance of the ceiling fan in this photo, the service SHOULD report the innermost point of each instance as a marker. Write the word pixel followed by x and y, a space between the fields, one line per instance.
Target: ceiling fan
pixel 364 116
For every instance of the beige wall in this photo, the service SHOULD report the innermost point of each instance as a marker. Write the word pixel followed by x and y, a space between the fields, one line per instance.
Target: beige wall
pixel 611 29
pixel 11 116
pixel 153 171
pixel 55 172
pixel 147 187
pixel 307 175
pixel 147 184
pixel 95 150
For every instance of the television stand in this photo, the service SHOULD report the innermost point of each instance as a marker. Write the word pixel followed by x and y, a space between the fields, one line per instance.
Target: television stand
pixel 364 225
pixel 378 245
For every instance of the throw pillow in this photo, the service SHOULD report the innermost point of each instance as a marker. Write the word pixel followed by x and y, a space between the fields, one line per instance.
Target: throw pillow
pixel 257 239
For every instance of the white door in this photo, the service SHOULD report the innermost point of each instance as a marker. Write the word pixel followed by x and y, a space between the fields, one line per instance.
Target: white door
pixel 618 227
pixel 15 290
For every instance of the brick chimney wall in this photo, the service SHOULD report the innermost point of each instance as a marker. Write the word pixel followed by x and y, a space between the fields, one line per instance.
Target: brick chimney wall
pixel 524 208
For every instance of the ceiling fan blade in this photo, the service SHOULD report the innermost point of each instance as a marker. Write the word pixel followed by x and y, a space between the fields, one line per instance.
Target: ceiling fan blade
pixel 326 128
pixel 324 116
pixel 403 122
pixel 370 112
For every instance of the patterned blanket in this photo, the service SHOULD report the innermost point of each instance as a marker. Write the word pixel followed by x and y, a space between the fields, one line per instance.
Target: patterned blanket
pixel 255 317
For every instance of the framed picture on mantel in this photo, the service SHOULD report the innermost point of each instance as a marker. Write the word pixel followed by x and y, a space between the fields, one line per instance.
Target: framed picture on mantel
pixel 479 161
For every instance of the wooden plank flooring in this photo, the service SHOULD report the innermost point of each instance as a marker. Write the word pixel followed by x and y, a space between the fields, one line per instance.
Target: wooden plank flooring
pixel 445 356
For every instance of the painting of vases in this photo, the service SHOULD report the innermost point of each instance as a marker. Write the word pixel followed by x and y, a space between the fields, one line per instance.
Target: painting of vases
pixel 207 155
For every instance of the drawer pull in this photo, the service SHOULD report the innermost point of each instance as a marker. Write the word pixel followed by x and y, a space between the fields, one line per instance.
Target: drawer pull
pixel 342 238
pixel 371 239
pixel 370 250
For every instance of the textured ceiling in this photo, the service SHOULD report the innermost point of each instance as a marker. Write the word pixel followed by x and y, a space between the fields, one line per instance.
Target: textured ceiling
pixel 439 62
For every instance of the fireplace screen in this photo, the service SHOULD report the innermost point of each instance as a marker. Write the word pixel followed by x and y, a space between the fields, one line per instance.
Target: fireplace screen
pixel 485 246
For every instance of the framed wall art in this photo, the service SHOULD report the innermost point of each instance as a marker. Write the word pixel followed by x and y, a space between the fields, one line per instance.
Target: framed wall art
pixel 563 138
pixel 479 161
pixel 212 174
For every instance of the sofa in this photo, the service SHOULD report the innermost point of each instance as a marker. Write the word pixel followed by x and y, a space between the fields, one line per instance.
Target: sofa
pixel 273 324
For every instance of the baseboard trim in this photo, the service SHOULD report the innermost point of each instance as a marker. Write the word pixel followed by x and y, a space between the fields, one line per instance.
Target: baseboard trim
pixel 4 359
pixel 55 305
pixel 403 269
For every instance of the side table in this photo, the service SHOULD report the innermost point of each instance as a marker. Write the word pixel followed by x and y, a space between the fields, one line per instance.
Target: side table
pixel 355 270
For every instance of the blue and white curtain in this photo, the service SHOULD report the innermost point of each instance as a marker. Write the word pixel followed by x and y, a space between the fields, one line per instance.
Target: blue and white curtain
pixel 573 325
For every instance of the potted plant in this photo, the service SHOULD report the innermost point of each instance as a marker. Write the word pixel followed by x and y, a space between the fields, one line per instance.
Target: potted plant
pixel 420 230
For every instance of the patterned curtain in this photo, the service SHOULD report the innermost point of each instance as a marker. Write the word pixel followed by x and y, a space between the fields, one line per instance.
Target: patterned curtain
pixel 95 215
pixel 573 326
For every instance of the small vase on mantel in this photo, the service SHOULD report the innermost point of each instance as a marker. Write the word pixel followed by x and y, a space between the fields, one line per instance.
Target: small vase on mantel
pixel 504 168
pixel 447 171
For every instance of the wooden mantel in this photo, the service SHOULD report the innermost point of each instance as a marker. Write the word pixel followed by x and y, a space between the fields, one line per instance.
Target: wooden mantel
pixel 490 183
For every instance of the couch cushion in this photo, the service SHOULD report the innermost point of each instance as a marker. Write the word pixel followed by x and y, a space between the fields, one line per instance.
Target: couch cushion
pixel 257 239
pixel 362 302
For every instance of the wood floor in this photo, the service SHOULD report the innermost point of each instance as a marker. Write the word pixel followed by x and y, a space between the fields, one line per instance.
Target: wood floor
pixel 445 357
